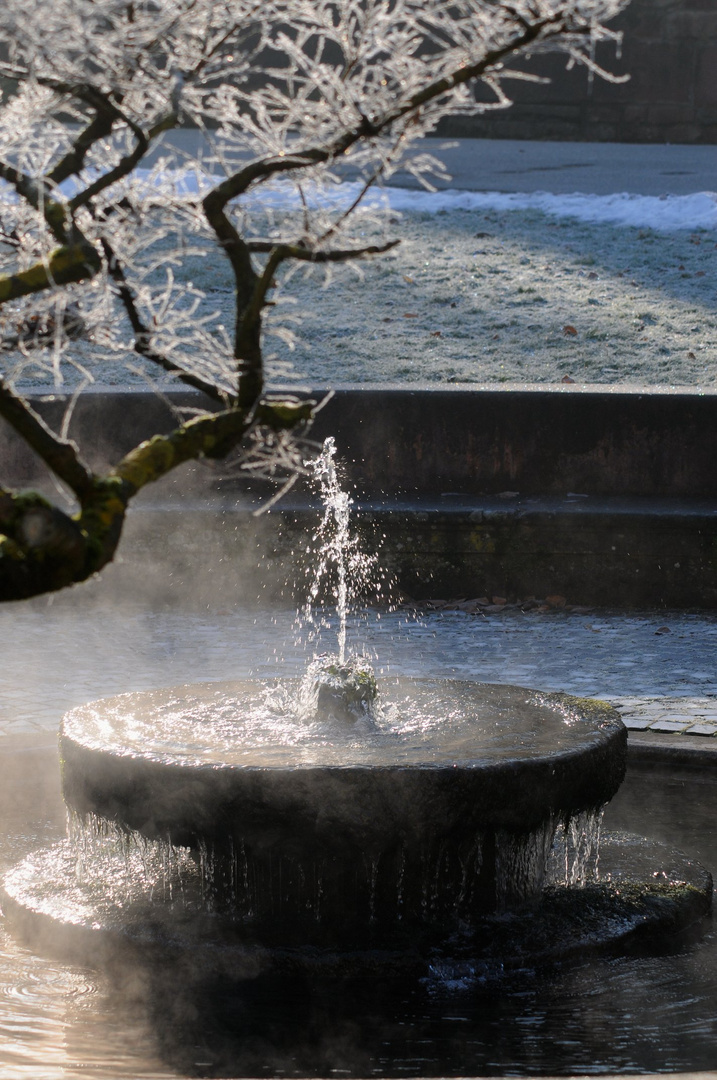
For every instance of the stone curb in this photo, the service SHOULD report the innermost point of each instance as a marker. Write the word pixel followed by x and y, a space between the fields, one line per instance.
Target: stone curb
pixel 645 748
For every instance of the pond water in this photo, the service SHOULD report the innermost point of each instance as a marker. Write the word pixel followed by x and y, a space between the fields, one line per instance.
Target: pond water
pixel 614 1014
pixel 61 654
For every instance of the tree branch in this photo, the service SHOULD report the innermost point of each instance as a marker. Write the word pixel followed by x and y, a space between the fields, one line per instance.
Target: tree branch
pixel 306 254
pixel 531 32
pixel 127 163
pixel 64 266
pixel 248 334
pixel 264 168
pixel 41 548
pixel 36 193
pixel 247 348
pixel 73 161
pixel 60 455
pixel 252 288
pixel 142 333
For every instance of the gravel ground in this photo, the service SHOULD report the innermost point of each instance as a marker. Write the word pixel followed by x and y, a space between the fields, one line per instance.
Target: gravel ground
pixel 497 297
pixel 520 297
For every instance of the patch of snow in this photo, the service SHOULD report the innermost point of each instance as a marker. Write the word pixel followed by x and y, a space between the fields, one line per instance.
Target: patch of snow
pixel 665 213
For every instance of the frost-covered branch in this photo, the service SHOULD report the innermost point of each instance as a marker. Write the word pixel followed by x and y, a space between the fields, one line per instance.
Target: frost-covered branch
pixel 124 243
pixel 143 334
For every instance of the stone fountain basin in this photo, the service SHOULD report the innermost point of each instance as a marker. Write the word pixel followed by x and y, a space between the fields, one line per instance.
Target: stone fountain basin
pixel 446 759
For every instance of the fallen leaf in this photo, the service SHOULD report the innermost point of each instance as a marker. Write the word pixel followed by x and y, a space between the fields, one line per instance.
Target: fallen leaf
pixel 454 304
pixel 496 337
pixel 680 267
pixel 436 333
pixel 691 356
pixel 592 275
pixel 555 601
pixel 483 235
pixel 567 379
pixel 498 600
pixel 700 273
pixel 570 331
pixel 408 280
pixel 663 630
pixel 410 315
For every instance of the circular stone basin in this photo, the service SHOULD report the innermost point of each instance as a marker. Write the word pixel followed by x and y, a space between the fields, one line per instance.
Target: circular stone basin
pixel 444 808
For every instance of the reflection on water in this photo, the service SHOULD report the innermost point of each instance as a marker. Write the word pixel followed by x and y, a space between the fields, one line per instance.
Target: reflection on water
pixel 418 722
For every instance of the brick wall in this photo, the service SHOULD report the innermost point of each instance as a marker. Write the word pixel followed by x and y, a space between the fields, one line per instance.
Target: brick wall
pixel 670 51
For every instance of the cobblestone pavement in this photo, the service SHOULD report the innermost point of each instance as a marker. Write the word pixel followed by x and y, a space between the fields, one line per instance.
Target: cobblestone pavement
pixel 669 716
pixel 658 669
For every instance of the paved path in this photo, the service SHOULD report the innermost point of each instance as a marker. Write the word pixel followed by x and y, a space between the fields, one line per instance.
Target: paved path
pixel 669 716
pixel 566 167
pixel 559 167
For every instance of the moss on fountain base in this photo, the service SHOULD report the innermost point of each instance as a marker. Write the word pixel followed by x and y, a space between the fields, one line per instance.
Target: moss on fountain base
pixel 343 690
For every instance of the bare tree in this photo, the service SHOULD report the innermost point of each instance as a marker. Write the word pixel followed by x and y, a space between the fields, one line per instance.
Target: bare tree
pixel 304 105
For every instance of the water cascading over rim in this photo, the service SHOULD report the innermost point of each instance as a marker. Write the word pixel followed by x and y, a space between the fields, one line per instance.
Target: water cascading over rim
pixel 447 811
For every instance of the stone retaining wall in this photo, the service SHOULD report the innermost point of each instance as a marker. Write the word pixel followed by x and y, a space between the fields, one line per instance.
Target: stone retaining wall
pixel 603 498
pixel 670 52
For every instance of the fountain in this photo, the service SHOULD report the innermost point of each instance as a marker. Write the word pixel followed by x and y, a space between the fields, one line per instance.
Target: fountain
pixel 337 824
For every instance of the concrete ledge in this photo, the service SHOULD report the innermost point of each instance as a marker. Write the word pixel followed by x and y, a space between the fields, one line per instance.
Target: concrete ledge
pixel 421 441
pixel 605 497
pixel 649 557
pixel 644 748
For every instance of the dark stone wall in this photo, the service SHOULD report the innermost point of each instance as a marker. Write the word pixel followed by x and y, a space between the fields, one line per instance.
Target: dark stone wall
pixel 670 52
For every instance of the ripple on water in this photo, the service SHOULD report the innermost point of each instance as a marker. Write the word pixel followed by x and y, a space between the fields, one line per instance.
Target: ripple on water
pixel 58 1020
